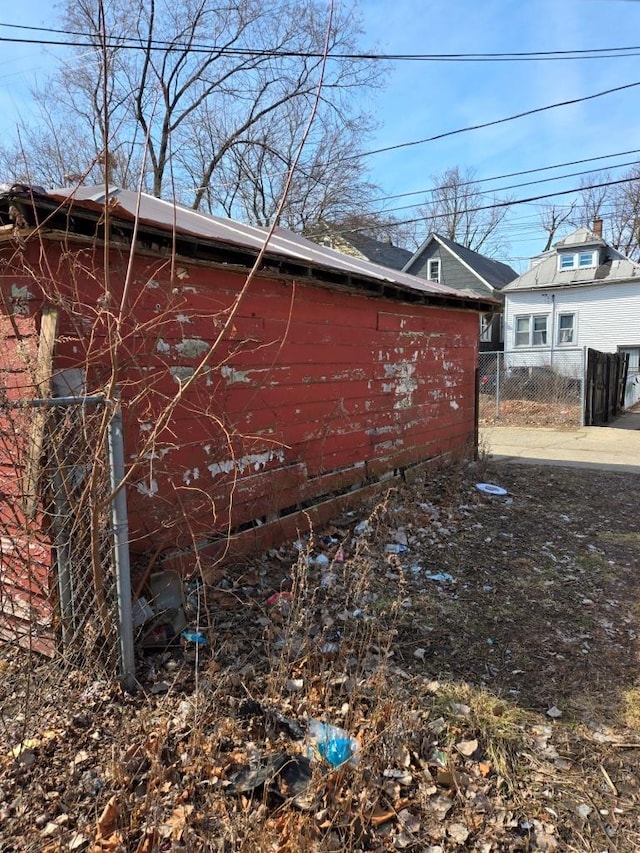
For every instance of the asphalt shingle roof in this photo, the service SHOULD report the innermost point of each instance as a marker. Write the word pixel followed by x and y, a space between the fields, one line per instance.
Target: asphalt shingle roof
pixel 494 272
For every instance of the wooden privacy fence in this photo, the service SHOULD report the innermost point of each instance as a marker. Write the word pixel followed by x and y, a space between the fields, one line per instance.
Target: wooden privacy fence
pixel 606 379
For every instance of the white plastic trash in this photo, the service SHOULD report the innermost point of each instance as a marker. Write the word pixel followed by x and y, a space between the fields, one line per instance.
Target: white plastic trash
pixel 491 489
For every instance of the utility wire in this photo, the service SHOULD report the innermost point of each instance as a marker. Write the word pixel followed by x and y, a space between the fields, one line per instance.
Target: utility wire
pixel 510 175
pixel 511 186
pixel 531 112
pixel 496 205
pixel 130 43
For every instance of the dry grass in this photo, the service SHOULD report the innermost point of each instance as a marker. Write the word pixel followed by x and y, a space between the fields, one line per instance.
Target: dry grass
pixel 445 685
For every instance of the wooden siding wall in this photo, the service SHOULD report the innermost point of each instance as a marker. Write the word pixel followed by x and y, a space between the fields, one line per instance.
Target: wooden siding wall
pixel 309 393
pixel 25 553
pixel 452 272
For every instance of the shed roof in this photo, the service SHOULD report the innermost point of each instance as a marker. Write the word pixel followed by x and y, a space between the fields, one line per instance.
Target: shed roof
pixel 284 245
pixel 493 273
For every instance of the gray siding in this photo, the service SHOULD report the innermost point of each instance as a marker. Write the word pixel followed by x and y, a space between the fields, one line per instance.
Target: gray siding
pixel 452 272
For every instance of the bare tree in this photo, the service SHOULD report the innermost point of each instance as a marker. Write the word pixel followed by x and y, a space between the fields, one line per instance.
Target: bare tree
pixel 552 218
pixel 208 102
pixel 594 201
pixel 460 210
pixel 618 205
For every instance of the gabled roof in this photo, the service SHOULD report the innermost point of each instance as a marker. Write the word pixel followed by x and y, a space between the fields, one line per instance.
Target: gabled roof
pixel 545 273
pixel 494 274
pixel 223 241
pixel 380 252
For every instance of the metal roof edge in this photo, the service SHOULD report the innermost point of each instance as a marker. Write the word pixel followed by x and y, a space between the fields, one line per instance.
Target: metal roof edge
pixel 286 248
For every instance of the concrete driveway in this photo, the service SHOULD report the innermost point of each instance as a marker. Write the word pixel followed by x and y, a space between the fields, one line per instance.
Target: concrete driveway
pixel 614 448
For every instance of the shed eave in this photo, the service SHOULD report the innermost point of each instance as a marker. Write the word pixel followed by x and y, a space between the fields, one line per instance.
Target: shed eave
pixel 85 222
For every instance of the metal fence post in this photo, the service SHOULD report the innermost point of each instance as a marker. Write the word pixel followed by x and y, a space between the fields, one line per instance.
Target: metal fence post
pixel 121 548
pixel 498 385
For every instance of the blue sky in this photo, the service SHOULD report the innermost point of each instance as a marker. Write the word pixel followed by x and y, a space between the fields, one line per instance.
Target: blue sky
pixel 423 99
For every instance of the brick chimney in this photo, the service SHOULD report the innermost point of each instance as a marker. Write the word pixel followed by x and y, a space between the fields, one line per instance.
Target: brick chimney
pixel 597 227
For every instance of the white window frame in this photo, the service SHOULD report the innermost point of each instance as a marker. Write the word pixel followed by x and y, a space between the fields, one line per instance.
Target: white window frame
pixel 486 327
pixel 433 269
pixel 577 260
pixel 634 358
pixel 574 329
pixel 531 330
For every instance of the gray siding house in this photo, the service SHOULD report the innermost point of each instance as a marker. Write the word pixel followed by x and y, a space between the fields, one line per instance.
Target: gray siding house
pixel 442 260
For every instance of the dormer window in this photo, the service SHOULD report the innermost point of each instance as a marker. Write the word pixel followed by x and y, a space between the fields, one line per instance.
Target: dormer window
pixel 578 260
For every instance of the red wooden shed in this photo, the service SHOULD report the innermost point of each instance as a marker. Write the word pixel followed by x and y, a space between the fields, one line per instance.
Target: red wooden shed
pixel 259 379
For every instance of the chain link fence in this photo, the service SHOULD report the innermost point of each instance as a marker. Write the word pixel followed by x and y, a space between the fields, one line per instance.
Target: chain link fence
pixel 61 589
pixel 532 388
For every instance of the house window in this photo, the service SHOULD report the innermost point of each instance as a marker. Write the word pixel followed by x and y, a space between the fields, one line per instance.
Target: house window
pixel 539 337
pixel 433 269
pixel 573 260
pixel 531 331
pixel 566 329
pixel 485 327
pixel 634 358
pixel 523 328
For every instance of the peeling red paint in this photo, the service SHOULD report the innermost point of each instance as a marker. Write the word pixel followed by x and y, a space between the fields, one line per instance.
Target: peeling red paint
pixel 310 392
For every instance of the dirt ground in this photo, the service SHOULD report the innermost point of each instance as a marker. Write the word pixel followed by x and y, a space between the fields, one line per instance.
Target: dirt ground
pixel 529 413
pixel 488 673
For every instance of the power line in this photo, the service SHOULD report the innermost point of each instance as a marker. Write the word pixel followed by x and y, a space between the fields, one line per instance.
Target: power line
pixel 495 206
pixel 129 43
pixel 510 175
pixel 531 112
pixel 514 186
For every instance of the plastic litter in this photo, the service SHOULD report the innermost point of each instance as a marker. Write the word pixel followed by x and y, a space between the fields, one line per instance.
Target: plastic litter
pixel 332 743
pixel 285 777
pixel 491 489
pixel 394 548
pixel 141 612
pixel 361 527
pixel 194 637
pixel 278 598
pixel 440 577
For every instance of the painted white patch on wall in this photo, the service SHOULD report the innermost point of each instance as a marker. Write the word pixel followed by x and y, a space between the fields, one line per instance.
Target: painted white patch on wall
pixel 19 298
pixel 182 318
pixel 181 374
pixel 192 347
pixel 383 430
pixel 163 346
pixel 252 460
pixel 404 385
pixel 146 427
pixel 232 376
pixel 149 489
pixel 454 404
pixel 152 284
pixel 190 475
pixel 158 454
